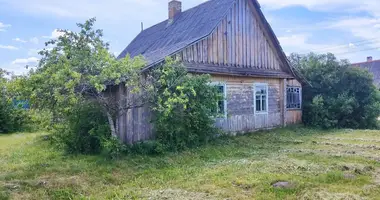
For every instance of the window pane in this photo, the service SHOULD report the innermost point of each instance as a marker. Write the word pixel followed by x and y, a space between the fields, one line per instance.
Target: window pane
pixel 221 89
pixel 264 104
pixel 221 107
pixel 261 89
pixel 258 104
pixel 293 97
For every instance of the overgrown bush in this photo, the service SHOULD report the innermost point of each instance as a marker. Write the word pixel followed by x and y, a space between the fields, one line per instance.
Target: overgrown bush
pixel 184 108
pixel 39 120
pixel 83 130
pixel 12 118
pixel 337 95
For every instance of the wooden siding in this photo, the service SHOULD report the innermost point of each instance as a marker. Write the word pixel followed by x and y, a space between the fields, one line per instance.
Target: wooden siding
pixel 293 116
pixel 239 40
pixel 134 125
pixel 241 115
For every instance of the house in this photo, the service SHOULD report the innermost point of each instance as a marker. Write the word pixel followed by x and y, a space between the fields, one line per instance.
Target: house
pixel 232 41
pixel 373 66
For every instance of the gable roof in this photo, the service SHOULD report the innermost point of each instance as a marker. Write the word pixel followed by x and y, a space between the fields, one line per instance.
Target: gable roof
pixel 166 38
pixel 373 67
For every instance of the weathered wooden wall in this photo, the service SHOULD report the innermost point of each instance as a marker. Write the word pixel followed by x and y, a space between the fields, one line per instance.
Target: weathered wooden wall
pixel 239 40
pixel 293 116
pixel 134 125
pixel 241 116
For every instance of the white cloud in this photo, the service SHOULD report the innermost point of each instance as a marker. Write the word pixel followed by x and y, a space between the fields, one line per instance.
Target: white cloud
pixel 25 61
pixel 19 40
pixel 115 10
pixel 34 40
pixel 299 43
pixel 370 6
pixel 8 47
pixel 54 35
pixel 4 26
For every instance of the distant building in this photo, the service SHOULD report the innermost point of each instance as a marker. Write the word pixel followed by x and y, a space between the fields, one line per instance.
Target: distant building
pixel 21 104
pixel 373 66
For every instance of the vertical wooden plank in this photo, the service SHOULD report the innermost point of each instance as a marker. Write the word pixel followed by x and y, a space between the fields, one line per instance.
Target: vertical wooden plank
pixel 233 41
pixel 254 63
pixel 259 47
pixel 225 42
pixel 249 25
pixel 243 43
pixel 205 49
pixel 199 46
pixel 267 53
pixel 264 52
pixel 210 49
pixel 252 40
pixel 220 43
pixel 230 36
pixel 262 48
pixel 237 44
pixel 201 51
pixel 273 58
pixel 195 50
pixel 184 55
pixel 241 33
pixel 215 47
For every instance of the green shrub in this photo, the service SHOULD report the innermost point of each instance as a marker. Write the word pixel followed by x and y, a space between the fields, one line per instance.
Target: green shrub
pixel 12 119
pixel 150 147
pixel 39 120
pixel 113 147
pixel 83 130
pixel 184 108
pixel 337 95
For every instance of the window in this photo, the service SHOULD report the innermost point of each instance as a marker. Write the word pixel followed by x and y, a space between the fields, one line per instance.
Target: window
pixel 261 98
pixel 293 97
pixel 221 106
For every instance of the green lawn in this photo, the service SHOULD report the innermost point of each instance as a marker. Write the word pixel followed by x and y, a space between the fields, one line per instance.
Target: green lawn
pixel 343 164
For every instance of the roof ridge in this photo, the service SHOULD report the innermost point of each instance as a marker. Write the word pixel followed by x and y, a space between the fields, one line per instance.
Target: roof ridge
pixel 150 39
pixel 365 62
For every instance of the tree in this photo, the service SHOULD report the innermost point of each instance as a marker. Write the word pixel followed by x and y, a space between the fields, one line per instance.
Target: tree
pixel 184 107
pixel 337 95
pixel 78 66
pixel 12 118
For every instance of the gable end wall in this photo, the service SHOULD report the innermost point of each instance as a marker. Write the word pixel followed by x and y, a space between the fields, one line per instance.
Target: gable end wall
pixel 238 41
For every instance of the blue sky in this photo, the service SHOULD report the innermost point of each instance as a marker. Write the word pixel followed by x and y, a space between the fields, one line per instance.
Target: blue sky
pixel 348 28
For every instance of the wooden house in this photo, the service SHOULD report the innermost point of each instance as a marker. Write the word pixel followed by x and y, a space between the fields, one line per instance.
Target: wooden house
pixel 232 41
pixel 373 66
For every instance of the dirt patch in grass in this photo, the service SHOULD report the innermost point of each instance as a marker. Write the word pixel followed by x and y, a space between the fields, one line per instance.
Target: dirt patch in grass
pixel 175 194
pixel 325 195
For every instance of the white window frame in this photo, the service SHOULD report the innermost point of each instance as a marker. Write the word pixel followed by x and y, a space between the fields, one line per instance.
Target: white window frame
pixel 267 98
pixel 224 97
pixel 292 86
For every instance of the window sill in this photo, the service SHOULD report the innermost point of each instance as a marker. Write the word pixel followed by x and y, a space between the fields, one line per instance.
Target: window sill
pixel 294 109
pixel 261 113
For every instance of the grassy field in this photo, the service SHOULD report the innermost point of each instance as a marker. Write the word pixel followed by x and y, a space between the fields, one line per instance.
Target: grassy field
pixel 342 164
